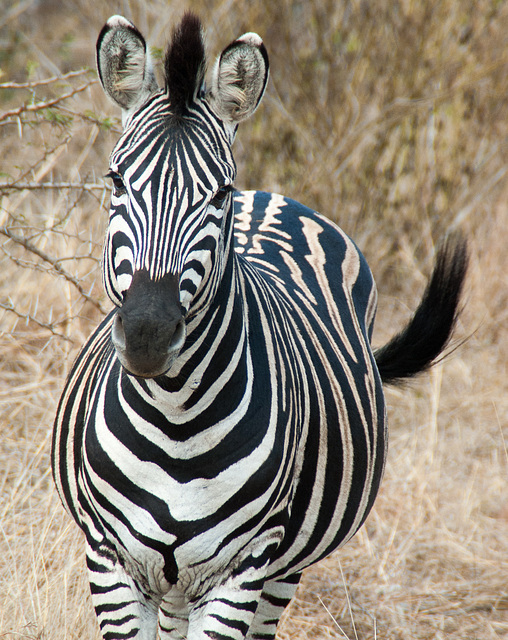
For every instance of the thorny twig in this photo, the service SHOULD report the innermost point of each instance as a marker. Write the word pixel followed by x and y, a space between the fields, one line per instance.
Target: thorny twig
pixel 54 263
pixel 29 318
pixel 33 105
pixel 39 106
pixel 85 186
pixel 40 83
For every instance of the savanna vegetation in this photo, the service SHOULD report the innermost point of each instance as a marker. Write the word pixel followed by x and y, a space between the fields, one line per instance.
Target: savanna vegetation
pixel 391 118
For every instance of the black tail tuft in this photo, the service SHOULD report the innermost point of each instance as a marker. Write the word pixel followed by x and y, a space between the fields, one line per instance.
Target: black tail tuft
pixel 417 346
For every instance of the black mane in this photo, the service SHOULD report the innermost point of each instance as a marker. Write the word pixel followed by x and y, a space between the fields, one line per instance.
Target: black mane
pixel 184 64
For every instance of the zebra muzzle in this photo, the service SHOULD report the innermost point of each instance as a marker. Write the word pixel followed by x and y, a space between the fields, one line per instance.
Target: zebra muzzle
pixel 149 328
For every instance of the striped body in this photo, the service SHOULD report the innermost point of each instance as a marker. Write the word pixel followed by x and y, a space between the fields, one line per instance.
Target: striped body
pixel 268 439
pixel 224 427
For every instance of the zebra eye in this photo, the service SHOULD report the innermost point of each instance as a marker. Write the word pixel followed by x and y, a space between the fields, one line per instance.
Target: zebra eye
pixel 118 185
pixel 218 200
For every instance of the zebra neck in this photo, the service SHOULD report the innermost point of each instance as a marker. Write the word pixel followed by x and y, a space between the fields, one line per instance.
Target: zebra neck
pixel 214 290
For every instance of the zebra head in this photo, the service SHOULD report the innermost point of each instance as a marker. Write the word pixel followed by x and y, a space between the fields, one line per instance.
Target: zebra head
pixel 170 224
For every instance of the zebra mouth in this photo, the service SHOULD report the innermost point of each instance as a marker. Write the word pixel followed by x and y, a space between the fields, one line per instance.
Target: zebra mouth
pixel 149 328
pixel 149 352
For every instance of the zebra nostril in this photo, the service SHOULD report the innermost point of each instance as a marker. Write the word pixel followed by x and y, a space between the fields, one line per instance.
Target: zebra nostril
pixel 118 333
pixel 178 337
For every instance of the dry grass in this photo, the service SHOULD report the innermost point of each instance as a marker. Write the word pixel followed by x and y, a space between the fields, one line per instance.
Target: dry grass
pixel 391 117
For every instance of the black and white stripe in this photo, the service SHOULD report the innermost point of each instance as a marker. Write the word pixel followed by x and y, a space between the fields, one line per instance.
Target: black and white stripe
pixel 224 427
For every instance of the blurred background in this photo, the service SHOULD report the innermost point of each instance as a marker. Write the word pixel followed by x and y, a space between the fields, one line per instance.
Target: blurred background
pixel 391 118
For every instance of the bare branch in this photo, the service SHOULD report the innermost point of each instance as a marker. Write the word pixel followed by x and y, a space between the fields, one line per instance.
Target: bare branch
pixel 84 186
pixel 39 106
pixel 29 318
pixel 46 81
pixel 54 263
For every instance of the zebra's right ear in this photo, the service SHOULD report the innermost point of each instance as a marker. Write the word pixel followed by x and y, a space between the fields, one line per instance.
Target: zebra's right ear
pixel 124 65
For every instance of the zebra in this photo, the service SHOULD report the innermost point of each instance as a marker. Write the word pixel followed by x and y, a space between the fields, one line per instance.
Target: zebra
pixel 224 427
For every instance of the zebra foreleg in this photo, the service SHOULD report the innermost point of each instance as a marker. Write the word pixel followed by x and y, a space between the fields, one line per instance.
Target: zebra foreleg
pixel 276 596
pixel 174 616
pixel 122 610
pixel 227 610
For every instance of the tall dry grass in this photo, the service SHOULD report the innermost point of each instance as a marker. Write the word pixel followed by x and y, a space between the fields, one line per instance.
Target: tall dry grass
pixel 391 118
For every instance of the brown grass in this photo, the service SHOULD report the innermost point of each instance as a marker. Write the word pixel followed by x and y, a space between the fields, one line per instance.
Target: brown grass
pixel 391 118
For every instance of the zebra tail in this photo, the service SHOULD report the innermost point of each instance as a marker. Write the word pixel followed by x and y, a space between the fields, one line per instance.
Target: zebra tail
pixel 420 342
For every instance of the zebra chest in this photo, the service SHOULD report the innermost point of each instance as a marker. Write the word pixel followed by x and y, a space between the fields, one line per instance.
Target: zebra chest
pixel 178 501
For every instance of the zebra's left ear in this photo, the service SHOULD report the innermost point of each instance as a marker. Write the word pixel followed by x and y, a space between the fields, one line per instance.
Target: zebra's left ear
pixel 239 79
pixel 124 65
